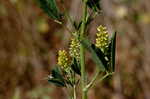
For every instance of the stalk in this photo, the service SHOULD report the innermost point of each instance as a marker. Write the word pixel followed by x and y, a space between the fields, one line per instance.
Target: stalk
pixel 91 84
pixel 83 75
pixel 74 86
pixel 74 92
pixel 82 51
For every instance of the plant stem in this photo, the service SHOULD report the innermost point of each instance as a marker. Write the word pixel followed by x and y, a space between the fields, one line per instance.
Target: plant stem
pixel 74 92
pixel 83 75
pixel 92 81
pixel 105 76
pixel 82 51
pixel 74 86
pixel 91 84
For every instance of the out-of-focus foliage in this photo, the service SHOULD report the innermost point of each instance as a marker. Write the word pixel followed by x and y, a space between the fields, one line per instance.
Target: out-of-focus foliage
pixel 50 7
pixel 40 92
pixel 94 5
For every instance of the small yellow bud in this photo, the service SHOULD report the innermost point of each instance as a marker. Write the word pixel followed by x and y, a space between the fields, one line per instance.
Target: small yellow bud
pixel 102 40
pixel 102 29
pixel 74 49
pixel 63 59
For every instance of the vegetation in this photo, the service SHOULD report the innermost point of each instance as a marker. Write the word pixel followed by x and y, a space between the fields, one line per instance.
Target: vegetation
pixel 73 64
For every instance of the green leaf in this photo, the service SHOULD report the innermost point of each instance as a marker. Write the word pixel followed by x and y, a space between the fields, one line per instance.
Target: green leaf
pixel 57 78
pixel 108 52
pixel 113 51
pixel 77 25
pixel 87 44
pixel 94 5
pixel 101 56
pixel 56 73
pixel 50 7
pixel 57 82
pixel 76 67
pixel 89 19
pixel 69 83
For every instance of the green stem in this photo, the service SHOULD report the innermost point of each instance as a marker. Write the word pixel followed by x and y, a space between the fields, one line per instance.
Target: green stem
pixel 92 81
pixel 91 84
pixel 74 86
pixel 105 76
pixel 74 92
pixel 82 51
pixel 83 74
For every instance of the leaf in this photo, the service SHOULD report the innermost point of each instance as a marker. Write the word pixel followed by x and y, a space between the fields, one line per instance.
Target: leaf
pixel 50 7
pixel 94 5
pixel 89 19
pixel 77 25
pixel 101 56
pixel 56 78
pixel 113 50
pixel 87 44
pixel 56 73
pixel 57 82
pixel 76 67
pixel 69 83
pixel 108 52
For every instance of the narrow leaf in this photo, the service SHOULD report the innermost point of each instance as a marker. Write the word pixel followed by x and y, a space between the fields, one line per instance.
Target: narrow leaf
pixel 57 78
pixel 76 67
pixel 50 7
pixel 57 82
pixel 77 25
pixel 94 5
pixel 101 56
pixel 113 50
pixel 87 44
pixel 56 73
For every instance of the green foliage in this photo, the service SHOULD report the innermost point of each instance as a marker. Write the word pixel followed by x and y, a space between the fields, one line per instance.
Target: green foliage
pixel 76 66
pixel 57 78
pixel 102 53
pixel 113 51
pixel 56 73
pixel 50 8
pixel 101 56
pixel 77 25
pixel 88 45
pixel 40 92
pixel 94 5
pixel 105 60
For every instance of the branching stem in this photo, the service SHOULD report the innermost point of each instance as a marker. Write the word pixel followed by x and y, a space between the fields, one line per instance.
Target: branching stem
pixel 91 84
pixel 92 81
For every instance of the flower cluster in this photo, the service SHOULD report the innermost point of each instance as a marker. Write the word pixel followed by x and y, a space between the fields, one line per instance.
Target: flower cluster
pixel 102 40
pixel 74 49
pixel 63 59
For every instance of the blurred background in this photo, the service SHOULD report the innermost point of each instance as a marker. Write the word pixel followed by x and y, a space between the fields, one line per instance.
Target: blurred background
pixel 29 41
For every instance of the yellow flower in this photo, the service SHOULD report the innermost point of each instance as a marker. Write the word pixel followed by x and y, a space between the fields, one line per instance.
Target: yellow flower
pixel 74 49
pixel 102 40
pixel 63 59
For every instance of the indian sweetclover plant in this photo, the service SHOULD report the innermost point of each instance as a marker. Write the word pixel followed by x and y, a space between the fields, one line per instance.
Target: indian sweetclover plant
pixel 70 70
